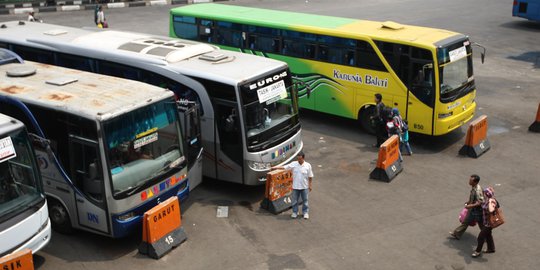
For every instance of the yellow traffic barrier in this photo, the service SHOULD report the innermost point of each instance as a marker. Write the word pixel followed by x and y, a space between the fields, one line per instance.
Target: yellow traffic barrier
pixel 476 142
pixel 535 127
pixel 20 260
pixel 278 191
pixel 162 229
pixel 388 164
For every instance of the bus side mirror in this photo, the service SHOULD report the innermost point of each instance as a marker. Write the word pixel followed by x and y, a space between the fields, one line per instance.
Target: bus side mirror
pixel 483 53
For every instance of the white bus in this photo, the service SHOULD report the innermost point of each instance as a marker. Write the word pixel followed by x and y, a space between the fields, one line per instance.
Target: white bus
pixel 24 219
pixel 109 149
pixel 248 105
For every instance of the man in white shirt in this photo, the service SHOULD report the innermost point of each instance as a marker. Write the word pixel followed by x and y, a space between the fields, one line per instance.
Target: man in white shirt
pixel 302 177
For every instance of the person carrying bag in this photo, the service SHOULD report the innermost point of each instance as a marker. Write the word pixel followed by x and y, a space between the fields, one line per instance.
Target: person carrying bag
pixel 492 218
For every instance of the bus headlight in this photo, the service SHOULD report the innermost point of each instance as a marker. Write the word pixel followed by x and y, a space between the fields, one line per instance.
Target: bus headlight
pixel 444 115
pixel 126 216
pixel 259 166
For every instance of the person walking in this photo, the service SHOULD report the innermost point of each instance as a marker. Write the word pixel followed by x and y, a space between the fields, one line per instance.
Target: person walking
pixel 32 17
pixel 302 178
pixel 474 204
pixel 101 21
pixel 96 10
pixel 379 121
pixel 485 235
pixel 404 132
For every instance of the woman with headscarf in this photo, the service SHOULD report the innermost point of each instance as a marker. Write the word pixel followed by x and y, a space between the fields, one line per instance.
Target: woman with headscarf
pixel 404 132
pixel 488 206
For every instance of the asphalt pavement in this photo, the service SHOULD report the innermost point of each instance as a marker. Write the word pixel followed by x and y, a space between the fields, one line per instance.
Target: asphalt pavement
pixel 358 223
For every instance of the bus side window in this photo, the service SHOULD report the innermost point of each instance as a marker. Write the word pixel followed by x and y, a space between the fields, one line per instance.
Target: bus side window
pixel 75 62
pixel 185 27
pixel 323 53
pixel 86 169
pixel 230 34
pixel 309 51
pixel 206 31
pixel 349 58
pixel 119 70
pixel 422 85
pixel 33 54
pixel 368 58
pixel 228 125
pixel 252 42
pixel 263 38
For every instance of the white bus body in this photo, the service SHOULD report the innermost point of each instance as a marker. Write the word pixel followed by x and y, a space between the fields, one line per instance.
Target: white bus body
pixel 24 219
pixel 109 149
pixel 248 105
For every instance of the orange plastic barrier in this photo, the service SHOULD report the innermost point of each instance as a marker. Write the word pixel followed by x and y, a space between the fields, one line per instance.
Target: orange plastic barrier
pixel 535 127
pixel 388 164
pixel 476 142
pixel 278 190
pixel 20 260
pixel 162 229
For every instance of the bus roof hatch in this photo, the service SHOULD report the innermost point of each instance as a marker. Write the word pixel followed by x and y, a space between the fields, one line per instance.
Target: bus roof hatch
pixel 392 25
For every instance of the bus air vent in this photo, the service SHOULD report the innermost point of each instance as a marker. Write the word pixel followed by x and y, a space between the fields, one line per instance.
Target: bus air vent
pixel 55 32
pixel 392 25
pixel 61 81
pixel 20 70
pixel 213 56
pixel 132 47
pixel 160 51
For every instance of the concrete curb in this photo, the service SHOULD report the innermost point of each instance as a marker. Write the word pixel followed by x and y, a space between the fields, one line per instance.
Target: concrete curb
pixel 84 5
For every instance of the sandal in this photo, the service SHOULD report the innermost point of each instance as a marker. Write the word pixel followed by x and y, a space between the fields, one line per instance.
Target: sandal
pixel 476 254
pixel 453 235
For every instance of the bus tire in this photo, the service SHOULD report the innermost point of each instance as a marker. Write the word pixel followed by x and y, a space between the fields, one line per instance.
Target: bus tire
pixel 59 217
pixel 364 118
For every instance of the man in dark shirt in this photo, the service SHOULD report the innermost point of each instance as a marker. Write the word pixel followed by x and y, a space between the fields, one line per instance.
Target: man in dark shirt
pixel 379 121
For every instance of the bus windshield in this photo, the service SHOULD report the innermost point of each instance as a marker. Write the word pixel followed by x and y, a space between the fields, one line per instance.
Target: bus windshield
pixel 269 110
pixel 19 186
pixel 456 70
pixel 143 145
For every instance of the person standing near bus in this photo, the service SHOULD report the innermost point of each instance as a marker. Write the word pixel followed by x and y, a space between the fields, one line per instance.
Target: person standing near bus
pixel 474 204
pixel 379 121
pixel 403 132
pixel 302 177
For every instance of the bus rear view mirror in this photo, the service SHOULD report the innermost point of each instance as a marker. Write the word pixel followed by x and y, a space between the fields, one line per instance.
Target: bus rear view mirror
pixel 483 53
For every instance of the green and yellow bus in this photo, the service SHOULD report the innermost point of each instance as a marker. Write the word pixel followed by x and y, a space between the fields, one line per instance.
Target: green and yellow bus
pixel 341 63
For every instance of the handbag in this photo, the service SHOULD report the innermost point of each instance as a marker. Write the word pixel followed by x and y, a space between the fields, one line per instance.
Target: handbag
pixel 463 216
pixel 496 218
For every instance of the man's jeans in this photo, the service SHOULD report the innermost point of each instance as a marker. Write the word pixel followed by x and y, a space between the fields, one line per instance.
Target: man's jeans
pixel 304 194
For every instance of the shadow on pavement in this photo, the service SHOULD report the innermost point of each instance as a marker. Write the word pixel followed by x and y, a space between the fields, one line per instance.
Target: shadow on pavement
pixel 524 25
pixel 465 246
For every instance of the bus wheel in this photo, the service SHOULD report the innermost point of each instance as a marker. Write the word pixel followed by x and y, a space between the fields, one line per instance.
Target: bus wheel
pixel 364 117
pixel 59 217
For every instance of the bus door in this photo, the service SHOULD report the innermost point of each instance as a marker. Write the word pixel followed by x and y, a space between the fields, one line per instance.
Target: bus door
pixel 193 142
pixel 421 97
pixel 414 66
pixel 229 148
pixel 86 171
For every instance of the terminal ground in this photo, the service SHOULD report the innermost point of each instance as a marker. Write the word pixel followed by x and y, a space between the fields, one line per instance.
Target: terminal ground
pixel 357 223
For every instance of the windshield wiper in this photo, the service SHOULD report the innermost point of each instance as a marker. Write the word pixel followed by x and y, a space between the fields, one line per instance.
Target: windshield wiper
pixel 138 187
pixel 464 88
pixel 167 167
